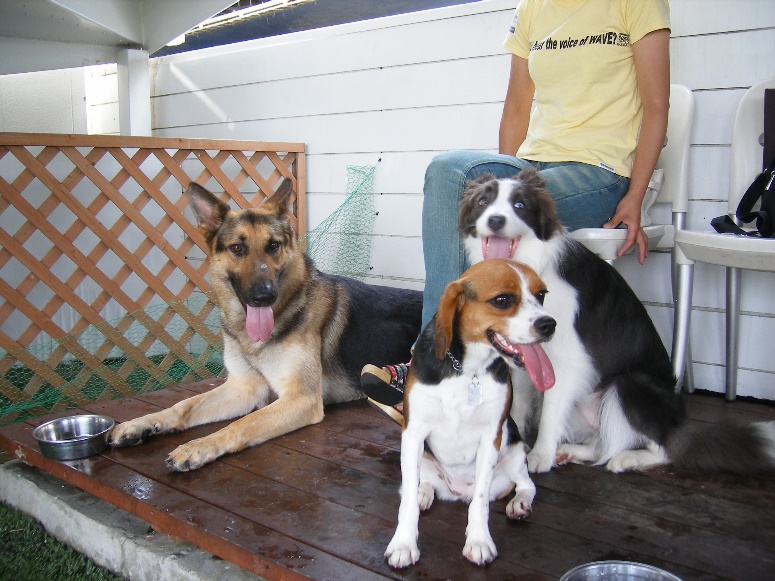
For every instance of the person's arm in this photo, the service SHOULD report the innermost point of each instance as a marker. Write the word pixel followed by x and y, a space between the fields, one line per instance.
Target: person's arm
pixel 652 68
pixel 516 107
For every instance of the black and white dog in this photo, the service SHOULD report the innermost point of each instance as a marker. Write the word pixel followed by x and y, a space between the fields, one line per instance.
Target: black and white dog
pixel 458 441
pixel 614 400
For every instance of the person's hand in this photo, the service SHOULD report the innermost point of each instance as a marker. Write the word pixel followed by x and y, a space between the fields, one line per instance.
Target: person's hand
pixel 628 213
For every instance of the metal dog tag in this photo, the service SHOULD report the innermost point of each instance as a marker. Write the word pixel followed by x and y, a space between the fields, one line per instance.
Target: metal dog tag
pixel 474 391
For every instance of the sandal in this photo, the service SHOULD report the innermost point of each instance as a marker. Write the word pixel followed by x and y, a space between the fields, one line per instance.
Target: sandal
pixel 384 386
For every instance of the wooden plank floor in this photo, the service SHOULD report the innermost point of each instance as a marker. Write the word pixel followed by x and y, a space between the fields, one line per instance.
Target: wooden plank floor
pixel 321 503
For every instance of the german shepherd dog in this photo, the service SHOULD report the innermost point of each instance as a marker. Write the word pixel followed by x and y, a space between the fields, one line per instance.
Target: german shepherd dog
pixel 294 338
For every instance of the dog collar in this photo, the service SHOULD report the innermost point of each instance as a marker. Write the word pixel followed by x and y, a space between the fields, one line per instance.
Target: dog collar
pixel 457 365
pixel 474 388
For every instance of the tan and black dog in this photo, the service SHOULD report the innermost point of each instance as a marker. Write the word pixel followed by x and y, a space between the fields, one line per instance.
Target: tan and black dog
pixel 459 442
pixel 294 338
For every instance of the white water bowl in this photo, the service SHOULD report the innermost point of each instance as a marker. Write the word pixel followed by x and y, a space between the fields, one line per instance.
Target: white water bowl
pixel 617 571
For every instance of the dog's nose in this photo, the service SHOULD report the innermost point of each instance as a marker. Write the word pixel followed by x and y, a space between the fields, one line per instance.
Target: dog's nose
pixel 496 222
pixel 262 294
pixel 545 326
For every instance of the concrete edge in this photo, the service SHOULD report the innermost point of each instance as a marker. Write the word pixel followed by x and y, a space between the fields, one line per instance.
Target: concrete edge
pixel 111 537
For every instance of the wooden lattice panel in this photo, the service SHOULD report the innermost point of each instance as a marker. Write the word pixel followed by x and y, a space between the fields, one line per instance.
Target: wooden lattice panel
pixel 95 232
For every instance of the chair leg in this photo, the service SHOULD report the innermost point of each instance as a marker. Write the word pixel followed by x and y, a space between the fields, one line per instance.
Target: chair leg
pixel 733 330
pixel 682 315
pixel 689 376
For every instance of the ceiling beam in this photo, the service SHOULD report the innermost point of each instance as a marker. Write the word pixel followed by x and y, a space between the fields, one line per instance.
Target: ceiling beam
pixel 121 17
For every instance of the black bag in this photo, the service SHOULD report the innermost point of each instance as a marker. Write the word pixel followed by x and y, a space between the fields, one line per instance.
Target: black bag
pixel 762 187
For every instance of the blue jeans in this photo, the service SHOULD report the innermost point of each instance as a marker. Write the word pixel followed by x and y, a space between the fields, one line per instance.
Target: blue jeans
pixel 586 197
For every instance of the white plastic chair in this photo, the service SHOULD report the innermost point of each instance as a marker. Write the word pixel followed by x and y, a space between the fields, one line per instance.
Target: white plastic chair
pixel 674 162
pixel 733 252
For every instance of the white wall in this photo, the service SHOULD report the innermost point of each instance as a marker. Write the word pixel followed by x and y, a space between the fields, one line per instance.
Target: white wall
pixel 102 115
pixel 399 89
pixel 45 102
pixel 404 88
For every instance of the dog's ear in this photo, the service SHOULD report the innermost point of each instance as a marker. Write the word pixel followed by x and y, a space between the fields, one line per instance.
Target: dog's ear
pixel 208 210
pixel 280 201
pixel 449 306
pixel 547 210
pixel 470 197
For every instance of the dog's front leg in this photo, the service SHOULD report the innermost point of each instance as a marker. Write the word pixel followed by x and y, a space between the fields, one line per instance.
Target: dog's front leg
pixel 234 398
pixel 402 550
pixel 514 464
pixel 555 408
pixel 479 547
pixel 288 413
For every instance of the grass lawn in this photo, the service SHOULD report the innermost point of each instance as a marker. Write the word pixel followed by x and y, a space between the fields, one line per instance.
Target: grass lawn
pixel 28 553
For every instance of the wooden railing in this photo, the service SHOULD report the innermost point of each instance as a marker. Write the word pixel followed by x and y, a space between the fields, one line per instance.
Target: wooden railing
pixel 96 228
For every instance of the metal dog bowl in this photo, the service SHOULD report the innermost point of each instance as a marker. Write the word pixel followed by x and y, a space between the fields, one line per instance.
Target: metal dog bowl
pixel 73 437
pixel 617 571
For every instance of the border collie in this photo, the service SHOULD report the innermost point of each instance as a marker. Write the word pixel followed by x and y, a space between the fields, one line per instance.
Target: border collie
pixel 614 400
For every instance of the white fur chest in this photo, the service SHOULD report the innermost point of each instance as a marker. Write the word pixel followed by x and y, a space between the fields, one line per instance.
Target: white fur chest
pixel 273 363
pixel 457 414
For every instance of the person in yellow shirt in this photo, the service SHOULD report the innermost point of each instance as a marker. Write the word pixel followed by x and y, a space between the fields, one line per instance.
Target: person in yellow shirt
pixel 586 105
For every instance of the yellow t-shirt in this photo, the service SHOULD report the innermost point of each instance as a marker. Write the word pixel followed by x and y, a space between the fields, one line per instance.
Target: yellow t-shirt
pixel 587 105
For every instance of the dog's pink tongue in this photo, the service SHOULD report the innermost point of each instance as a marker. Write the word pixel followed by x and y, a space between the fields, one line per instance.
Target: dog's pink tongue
pixel 538 366
pixel 259 323
pixel 496 247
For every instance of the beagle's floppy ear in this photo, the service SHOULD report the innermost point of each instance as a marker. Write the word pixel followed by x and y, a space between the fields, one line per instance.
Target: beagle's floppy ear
pixel 450 304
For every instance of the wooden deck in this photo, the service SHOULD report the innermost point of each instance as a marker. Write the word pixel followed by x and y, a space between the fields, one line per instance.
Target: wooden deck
pixel 321 503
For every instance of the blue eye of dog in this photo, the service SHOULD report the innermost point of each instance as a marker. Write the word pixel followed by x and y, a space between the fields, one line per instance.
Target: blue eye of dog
pixel 503 301
pixel 483 202
pixel 519 205
pixel 541 295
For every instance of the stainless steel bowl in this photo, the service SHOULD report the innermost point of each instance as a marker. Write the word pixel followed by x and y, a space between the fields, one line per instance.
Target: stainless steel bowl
pixel 617 571
pixel 73 437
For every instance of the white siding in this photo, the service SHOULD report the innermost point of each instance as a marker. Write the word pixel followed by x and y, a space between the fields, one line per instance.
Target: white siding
pixel 398 90
pixel 403 88
pixel 102 113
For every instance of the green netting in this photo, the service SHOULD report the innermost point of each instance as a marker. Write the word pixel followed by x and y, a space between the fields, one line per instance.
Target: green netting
pixel 341 244
pixel 166 344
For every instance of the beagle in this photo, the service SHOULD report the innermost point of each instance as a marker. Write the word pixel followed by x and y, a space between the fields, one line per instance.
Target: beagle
pixel 457 401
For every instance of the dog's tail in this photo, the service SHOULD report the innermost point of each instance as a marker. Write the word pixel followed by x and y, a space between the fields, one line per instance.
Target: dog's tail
pixel 726 447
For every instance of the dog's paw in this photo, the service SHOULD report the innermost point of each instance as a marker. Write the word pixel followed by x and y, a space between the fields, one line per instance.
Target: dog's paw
pixel 133 432
pixel 520 506
pixel 623 462
pixel 631 460
pixel 575 454
pixel 565 457
pixel 538 462
pixel 401 554
pixel 192 455
pixel 480 550
pixel 425 496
